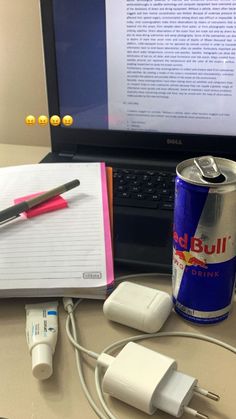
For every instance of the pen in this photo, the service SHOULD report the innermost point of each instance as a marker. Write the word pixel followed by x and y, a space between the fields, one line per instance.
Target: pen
pixel 15 210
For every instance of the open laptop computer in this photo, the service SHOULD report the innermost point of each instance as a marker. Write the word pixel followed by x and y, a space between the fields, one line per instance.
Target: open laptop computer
pixel 147 85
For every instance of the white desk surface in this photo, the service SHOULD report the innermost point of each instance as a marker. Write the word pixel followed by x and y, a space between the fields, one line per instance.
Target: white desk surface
pixel 61 397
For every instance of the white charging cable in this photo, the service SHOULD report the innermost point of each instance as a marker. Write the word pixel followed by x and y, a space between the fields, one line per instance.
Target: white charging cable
pixel 72 335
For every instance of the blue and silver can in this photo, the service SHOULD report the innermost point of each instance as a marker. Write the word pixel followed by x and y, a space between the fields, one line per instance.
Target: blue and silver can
pixel 204 239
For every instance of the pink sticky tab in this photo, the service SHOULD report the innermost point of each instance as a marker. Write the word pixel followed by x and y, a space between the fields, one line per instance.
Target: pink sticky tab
pixel 52 204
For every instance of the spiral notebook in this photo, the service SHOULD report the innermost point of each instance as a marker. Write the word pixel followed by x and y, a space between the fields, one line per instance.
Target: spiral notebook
pixel 67 252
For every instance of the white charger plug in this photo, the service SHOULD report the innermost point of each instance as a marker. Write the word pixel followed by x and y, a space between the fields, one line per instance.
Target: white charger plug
pixel 138 306
pixel 149 380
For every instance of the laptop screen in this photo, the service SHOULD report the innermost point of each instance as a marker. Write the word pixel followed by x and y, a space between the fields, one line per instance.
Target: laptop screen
pixel 166 69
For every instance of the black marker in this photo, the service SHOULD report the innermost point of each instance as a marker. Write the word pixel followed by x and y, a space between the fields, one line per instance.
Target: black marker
pixel 14 211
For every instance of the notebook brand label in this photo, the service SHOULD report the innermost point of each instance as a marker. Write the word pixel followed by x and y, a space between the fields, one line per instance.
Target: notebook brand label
pixel 92 275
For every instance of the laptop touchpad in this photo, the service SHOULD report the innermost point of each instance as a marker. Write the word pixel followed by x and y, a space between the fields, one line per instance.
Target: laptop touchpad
pixel 143 237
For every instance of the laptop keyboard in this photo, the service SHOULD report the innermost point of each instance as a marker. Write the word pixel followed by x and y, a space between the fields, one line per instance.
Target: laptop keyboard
pixel 144 188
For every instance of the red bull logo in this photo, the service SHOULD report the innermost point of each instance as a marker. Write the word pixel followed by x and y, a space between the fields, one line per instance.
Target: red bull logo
pixel 190 263
pixel 189 259
pixel 197 245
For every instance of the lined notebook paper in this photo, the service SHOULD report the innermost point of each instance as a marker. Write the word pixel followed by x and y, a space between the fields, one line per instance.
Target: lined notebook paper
pixel 67 252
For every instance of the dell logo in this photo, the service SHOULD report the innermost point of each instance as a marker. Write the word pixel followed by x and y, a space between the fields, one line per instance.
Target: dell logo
pixel 174 141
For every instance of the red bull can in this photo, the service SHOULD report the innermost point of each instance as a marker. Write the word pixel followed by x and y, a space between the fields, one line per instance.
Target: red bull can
pixel 204 239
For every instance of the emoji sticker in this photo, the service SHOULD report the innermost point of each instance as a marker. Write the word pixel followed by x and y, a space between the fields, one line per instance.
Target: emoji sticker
pixel 67 120
pixel 55 120
pixel 43 120
pixel 30 120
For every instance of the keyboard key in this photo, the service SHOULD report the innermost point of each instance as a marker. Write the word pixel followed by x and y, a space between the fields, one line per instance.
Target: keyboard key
pixel 135 189
pixel 167 205
pixel 123 195
pixel 155 197
pixel 139 196
pixel 121 188
pixel 149 190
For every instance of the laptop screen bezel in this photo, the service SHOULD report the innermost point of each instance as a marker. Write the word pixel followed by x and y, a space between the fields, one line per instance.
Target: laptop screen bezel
pixel 70 138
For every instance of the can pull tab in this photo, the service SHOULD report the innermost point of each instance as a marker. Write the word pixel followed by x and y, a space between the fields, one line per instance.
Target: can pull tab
pixel 209 169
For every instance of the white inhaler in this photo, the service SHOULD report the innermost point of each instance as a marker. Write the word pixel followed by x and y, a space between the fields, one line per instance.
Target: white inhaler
pixel 41 335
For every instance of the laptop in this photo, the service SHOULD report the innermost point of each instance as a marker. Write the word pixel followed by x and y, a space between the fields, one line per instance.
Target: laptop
pixel 147 86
